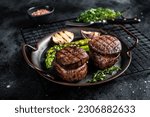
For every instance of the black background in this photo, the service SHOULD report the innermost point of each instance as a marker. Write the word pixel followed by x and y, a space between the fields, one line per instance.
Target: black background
pixel 18 81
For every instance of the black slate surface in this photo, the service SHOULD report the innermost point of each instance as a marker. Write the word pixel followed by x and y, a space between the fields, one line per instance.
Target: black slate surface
pixel 19 81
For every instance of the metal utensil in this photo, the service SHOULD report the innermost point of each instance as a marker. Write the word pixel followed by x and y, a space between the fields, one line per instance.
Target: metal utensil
pixel 115 21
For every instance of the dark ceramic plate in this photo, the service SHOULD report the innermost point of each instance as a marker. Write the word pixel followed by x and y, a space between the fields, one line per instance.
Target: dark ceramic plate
pixel 37 56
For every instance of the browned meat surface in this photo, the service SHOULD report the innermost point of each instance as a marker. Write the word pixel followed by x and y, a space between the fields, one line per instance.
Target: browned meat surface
pixel 105 44
pixel 104 61
pixel 105 51
pixel 71 57
pixel 71 63
pixel 71 75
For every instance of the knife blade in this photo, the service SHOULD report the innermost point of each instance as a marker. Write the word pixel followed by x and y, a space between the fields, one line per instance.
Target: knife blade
pixel 115 21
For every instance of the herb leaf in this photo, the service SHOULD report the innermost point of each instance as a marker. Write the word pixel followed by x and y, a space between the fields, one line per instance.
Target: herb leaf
pixel 102 74
pixel 98 14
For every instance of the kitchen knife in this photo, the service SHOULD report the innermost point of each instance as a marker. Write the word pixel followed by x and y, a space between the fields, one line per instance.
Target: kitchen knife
pixel 115 21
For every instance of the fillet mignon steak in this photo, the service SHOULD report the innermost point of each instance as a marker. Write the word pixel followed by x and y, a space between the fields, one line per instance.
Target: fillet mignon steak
pixel 105 51
pixel 71 63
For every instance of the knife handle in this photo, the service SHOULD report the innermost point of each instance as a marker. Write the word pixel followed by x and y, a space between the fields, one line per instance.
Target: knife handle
pixel 125 21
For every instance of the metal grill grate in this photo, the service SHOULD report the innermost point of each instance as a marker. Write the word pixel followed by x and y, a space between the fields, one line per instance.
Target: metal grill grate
pixel 141 56
pixel 32 34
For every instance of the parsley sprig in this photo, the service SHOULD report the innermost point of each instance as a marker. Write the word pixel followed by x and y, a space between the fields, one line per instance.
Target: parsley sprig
pixel 102 74
pixel 98 14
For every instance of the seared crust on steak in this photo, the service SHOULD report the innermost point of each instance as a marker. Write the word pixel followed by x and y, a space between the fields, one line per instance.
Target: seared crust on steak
pixel 105 51
pixel 104 61
pixel 106 44
pixel 73 74
pixel 71 57
pixel 71 63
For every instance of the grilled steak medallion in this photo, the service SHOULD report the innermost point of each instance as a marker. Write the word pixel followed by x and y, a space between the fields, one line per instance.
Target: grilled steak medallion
pixel 105 51
pixel 71 57
pixel 71 63
pixel 106 44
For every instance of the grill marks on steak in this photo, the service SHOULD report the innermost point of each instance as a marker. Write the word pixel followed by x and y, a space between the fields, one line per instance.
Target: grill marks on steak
pixel 105 51
pixel 71 63
pixel 105 44
pixel 71 57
